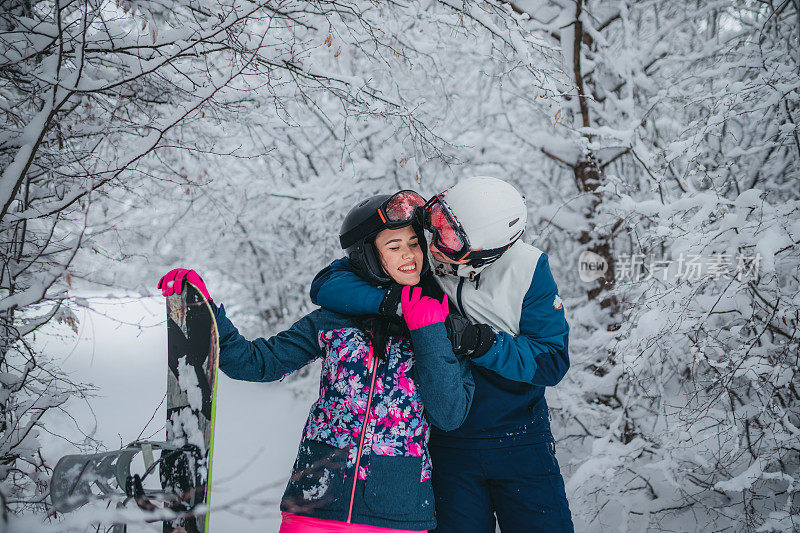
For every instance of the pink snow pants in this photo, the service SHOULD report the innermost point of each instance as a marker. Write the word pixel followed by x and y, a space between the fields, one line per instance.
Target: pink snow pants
pixel 293 523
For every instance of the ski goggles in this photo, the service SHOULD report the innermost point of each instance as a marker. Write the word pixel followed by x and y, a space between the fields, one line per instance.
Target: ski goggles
pixel 448 235
pixel 395 212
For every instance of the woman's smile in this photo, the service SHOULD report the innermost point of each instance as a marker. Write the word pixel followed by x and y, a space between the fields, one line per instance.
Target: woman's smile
pixel 409 267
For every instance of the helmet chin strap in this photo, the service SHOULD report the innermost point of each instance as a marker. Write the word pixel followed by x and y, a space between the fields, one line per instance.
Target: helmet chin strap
pixel 483 262
pixel 472 268
pixel 482 258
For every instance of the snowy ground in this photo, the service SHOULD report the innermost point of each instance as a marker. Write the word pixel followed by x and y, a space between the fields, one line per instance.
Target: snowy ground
pixel 122 351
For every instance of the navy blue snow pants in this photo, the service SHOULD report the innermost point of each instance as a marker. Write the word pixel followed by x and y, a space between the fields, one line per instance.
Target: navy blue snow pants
pixel 520 485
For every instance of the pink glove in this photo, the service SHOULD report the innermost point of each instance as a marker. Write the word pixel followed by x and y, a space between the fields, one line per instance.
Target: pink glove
pixel 420 311
pixel 172 282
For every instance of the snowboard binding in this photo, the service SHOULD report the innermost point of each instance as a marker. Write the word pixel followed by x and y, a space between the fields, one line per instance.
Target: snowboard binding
pixel 179 471
pixel 79 479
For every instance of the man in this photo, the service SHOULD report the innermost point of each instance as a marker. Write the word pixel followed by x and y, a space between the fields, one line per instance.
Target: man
pixel 500 464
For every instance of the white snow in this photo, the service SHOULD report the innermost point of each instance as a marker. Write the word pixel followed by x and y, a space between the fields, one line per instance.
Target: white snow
pixel 185 428
pixel 742 481
pixel 187 379
pixel 319 490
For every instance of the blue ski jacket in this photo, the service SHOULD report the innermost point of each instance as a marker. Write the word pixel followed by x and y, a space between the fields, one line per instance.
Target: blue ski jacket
pixel 518 297
pixel 363 457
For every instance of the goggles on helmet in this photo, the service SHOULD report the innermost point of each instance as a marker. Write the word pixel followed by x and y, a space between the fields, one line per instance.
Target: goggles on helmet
pixel 397 211
pixel 448 235
pixel 450 238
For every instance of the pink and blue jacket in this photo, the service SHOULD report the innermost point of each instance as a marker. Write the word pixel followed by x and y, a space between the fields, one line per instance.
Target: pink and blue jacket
pixel 363 457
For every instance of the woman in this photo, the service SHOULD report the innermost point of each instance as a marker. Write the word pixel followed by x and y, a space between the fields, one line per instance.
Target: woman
pixel 363 463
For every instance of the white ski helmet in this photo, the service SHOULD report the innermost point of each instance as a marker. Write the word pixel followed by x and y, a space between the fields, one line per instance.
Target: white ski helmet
pixel 491 211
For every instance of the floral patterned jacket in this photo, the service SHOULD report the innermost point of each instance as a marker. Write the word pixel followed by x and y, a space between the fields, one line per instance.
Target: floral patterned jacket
pixel 364 455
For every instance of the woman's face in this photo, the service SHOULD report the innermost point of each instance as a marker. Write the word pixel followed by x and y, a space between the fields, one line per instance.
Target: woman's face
pixel 401 254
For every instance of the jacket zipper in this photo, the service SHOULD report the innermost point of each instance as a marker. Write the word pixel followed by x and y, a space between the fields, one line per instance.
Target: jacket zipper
pixel 458 298
pixel 374 364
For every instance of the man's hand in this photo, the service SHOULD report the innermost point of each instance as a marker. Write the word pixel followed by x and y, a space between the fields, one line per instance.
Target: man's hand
pixel 472 340
pixel 390 306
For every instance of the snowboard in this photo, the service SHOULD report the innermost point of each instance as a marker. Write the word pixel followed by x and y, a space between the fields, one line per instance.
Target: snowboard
pixel 193 361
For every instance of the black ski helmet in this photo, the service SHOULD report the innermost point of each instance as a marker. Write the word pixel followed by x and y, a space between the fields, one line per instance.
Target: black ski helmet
pixel 359 229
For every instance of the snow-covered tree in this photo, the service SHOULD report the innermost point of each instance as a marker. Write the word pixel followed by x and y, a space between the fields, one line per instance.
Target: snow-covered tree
pixel 87 91
pixel 681 409
pixel 712 359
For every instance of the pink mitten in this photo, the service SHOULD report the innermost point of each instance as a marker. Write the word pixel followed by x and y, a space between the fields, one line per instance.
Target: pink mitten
pixel 172 282
pixel 420 311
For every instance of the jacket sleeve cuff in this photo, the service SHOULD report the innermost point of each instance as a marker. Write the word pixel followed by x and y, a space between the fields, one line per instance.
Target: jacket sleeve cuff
pixel 224 326
pixel 430 339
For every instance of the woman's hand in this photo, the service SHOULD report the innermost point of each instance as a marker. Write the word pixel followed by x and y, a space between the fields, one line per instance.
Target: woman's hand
pixel 172 282
pixel 420 311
